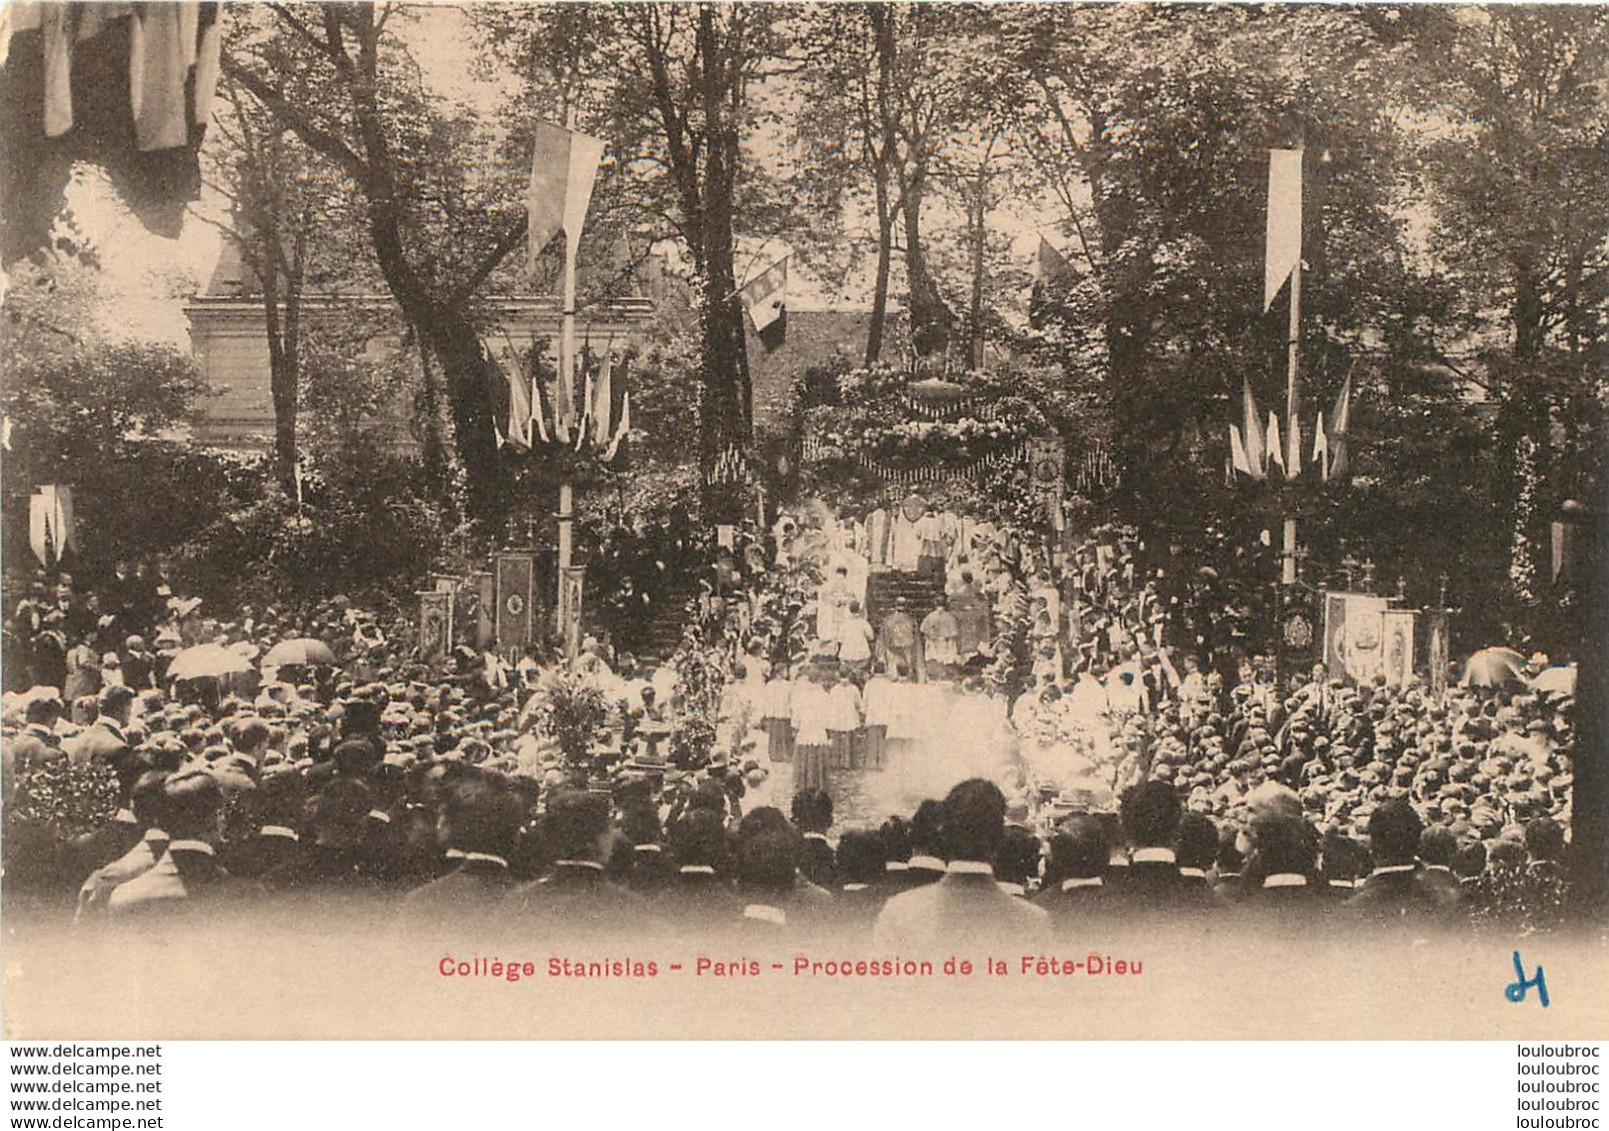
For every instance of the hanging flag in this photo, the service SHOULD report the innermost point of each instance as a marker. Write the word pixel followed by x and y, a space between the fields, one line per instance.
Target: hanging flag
pixel 1396 650
pixel 158 68
pixel 1293 449
pixel 563 406
pixel 1284 253
pixel 564 166
pixel 620 432
pixel 515 586
pixel 519 409
pixel 39 537
pixel 56 21
pixel 583 424
pixel 538 413
pixel 125 86
pixel 1237 451
pixel 1276 450
pixel 1251 430
pixel 52 552
pixel 511 416
pixel 1561 543
pixel 602 401
pixel 500 396
pixel 1436 651
pixel 1336 426
pixel 1321 449
pixel 435 625
pixel 1334 656
pixel 66 525
pixel 50 524
pixel 765 296
pixel 1353 636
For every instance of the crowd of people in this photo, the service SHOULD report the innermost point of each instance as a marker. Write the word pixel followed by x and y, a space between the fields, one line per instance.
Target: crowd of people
pixel 791 769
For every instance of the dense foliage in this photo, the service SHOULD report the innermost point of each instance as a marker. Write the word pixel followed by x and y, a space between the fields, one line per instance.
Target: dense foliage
pixel 1455 247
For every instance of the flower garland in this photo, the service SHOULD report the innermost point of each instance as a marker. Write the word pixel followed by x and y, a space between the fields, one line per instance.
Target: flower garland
pixel 880 425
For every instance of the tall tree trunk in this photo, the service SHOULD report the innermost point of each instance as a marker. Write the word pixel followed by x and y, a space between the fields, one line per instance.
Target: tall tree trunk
pixel 1589 836
pixel 885 46
pixel 725 393
pixel 282 321
pixel 350 36
pixel 885 249
pixel 279 378
pixel 977 215
pixel 1527 313
pixel 469 377
pixel 1523 434
pixel 930 316
pixel 286 379
pixel 1127 326
pixel 430 418
pixel 454 340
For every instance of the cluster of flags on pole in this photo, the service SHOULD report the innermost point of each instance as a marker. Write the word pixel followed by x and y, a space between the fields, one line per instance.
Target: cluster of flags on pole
pixel 602 416
pixel 601 421
pixel 1258 449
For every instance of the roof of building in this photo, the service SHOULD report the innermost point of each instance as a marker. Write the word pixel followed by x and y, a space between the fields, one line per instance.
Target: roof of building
pixel 231 276
pixel 812 338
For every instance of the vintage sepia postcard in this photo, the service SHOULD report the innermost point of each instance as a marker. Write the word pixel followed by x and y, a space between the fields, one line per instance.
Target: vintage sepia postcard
pixel 768 520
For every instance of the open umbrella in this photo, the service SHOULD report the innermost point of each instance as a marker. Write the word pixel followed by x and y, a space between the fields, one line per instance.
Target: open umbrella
pixel 207 660
pixel 1556 681
pixel 1494 667
pixel 303 650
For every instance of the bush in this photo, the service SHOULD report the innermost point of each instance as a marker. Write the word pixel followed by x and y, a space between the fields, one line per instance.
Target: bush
pixel 366 527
